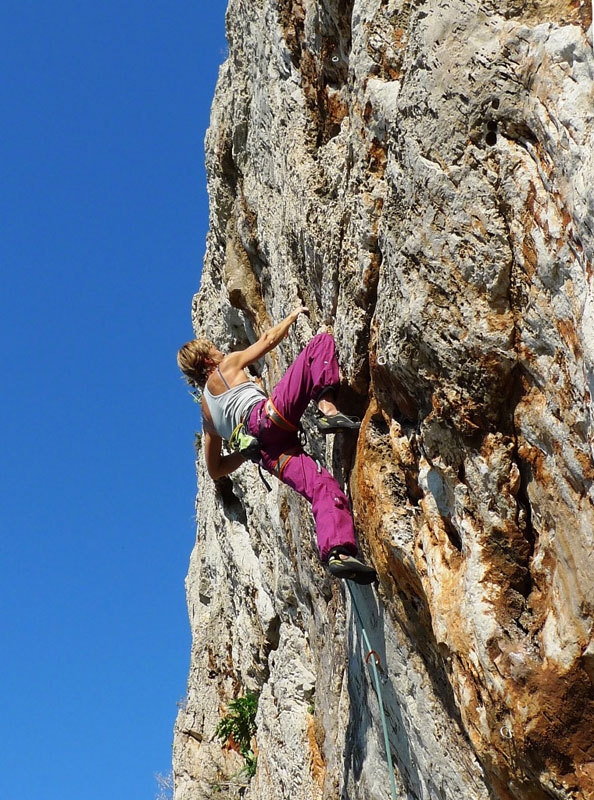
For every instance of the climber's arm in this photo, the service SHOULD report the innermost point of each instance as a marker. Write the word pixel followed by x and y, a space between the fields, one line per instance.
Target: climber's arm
pixel 267 342
pixel 217 464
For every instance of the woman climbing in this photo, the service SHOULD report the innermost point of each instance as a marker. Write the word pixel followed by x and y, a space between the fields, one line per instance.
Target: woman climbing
pixel 265 429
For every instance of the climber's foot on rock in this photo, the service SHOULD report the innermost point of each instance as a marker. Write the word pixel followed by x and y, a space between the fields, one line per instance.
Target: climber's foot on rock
pixel 330 423
pixel 343 565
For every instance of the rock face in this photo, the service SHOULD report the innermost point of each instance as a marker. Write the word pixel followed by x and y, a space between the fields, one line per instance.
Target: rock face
pixel 421 176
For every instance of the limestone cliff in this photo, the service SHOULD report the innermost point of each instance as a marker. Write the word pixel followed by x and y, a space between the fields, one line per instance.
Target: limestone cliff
pixel 421 176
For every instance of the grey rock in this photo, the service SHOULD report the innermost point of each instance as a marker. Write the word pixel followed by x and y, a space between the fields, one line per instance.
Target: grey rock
pixel 421 177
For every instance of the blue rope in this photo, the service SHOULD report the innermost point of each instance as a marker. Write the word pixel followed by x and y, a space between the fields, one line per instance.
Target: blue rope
pixel 375 660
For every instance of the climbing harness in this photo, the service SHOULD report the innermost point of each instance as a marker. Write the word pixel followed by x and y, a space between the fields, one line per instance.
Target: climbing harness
pixel 281 462
pixel 263 478
pixel 373 657
pixel 272 412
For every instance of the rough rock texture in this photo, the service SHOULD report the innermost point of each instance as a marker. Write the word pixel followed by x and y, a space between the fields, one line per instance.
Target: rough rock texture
pixel 421 175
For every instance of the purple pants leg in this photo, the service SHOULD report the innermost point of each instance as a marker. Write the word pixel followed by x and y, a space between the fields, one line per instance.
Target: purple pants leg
pixel 329 504
pixel 313 371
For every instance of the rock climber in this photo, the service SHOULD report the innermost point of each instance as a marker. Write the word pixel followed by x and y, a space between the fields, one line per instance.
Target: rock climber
pixel 266 429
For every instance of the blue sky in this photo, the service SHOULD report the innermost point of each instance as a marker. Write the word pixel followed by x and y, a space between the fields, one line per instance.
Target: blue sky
pixel 103 216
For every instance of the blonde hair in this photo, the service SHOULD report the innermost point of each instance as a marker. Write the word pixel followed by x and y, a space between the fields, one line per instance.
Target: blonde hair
pixel 195 361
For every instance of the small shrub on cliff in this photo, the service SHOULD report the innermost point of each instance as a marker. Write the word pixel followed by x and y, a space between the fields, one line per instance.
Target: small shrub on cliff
pixel 165 784
pixel 238 726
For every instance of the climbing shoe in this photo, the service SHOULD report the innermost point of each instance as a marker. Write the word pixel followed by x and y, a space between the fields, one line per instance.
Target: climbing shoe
pixel 337 422
pixel 343 565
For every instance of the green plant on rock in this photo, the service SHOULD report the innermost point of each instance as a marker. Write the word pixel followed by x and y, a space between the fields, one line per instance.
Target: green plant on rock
pixel 238 727
pixel 166 786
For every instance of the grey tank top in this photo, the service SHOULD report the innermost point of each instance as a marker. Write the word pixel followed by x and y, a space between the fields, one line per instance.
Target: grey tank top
pixel 229 408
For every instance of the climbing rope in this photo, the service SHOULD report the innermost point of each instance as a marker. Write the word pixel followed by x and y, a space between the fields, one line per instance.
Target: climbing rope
pixel 373 657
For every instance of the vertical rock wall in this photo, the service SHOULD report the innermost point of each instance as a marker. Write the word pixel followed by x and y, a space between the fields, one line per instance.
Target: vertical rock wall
pixel 420 174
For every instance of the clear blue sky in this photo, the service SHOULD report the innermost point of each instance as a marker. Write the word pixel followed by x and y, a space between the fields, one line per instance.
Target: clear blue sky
pixel 103 222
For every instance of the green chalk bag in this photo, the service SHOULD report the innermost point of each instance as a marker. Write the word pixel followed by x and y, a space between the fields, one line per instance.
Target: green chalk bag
pixel 244 443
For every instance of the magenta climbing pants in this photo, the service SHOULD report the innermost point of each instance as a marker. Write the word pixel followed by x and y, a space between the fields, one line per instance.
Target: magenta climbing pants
pixel 312 373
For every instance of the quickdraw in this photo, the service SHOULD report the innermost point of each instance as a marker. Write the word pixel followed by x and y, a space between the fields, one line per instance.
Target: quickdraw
pixel 273 414
pixel 244 443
